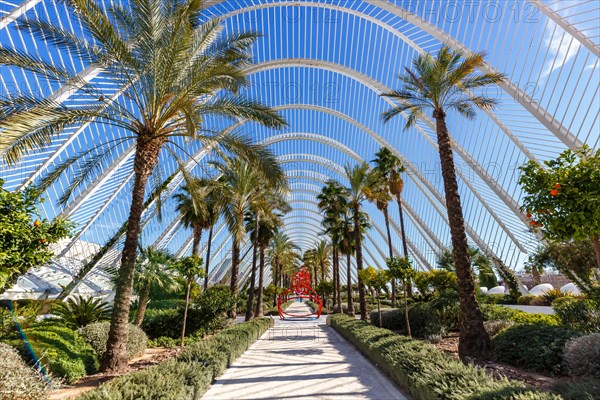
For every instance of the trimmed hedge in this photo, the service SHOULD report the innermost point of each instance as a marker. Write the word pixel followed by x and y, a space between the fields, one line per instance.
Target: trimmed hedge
pixel 190 375
pixel 426 372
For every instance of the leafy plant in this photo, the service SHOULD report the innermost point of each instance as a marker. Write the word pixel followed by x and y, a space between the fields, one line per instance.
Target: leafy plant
pixel 535 347
pixel 96 335
pixel 562 196
pixel 17 380
pixel 24 236
pixel 59 349
pixel 190 268
pixel 401 269
pixel 79 311
pixel 578 314
pixel 376 280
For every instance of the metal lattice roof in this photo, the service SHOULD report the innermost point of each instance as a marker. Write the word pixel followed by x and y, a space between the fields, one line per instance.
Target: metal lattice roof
pixel 323 65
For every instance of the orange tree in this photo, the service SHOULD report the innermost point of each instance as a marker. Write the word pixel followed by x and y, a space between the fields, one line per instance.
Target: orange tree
pixel 24 236
pixel 563 197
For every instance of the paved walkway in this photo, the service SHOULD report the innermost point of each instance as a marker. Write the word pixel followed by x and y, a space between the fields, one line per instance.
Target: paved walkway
pixel 302 359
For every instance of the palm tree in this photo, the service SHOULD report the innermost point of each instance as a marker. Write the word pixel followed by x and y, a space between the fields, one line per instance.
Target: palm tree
pixel 359 179
pixel 320 257
pixel 265 214
pixel 193 205
pixel 334 205
pixel 310 262
pixel 153 270
pixel 283 256
pixel 379 194
pixel 481 264
pixel 444 83
pixel 237 189
pixel 173 69
pixel 266 234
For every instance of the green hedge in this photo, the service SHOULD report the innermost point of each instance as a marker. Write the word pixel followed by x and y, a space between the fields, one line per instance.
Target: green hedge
pixel 492 312
pixel 190 375
pixel 424 371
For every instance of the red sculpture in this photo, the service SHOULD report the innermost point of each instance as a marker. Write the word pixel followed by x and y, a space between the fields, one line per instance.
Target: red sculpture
pixel 300 289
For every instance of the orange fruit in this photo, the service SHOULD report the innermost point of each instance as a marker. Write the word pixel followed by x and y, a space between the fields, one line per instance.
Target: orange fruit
pixel 554 192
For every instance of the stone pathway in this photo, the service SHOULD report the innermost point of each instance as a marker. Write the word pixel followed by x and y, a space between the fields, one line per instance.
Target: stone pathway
pixel 303 359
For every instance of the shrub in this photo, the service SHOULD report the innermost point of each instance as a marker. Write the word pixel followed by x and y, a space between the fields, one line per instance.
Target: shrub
pixel 582 356
pixel 60 350
pixel 578 314
pixel 427 319
pixel 493 312
pixel 588 389
pixel 526 300
pixel 495 327
pixel 536 347
pixel 17 380
pixel 424 371
pixel 96 335
pixel 188 376
pixel 497 299
pixel 164 341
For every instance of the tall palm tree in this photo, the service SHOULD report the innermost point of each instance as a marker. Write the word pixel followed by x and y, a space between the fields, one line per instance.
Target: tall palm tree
pixel 173 69
pixel 265 214
pixel 359 179
pixel 442 84
pixel 153 270
pixel 309 260
pixel 323 258
pixel 391 169
pixel 379 194
pixel 237 189
pixel 284 256
pixel 193 206
pixel 212 217
pixel 333 204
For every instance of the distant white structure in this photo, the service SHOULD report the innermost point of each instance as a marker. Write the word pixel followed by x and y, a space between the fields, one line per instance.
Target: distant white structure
pixel 541 289
pixel 46 282
pixel 483 289
pixel 570 288
pixel 497 290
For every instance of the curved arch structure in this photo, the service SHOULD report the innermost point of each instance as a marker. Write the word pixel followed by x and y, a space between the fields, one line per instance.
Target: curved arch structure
pixel 323 65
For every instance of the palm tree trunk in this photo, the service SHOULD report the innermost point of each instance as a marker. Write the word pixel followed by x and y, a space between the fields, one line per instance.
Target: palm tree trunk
pixel 261 276
pixel 146 158
pixel 197 237
pixel 350 310
pixel 386 216
pixel 322 272
pixel 474 340
pixel 596 242
pixel 210 235
pixel 142 304
pixel 187 304
pixel 334 280
pixel 253 274
pixel 404 242
pixel 338 295
pixel 276 280
pixel 379 311
pixel 235 261
pixel 406 320
pixel 359 263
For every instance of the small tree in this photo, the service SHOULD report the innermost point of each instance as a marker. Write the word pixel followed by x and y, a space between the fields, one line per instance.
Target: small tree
pixel 325 288
pixel 190 268
pixel 376 280
pixel 24 236
pixel 562 197
pixel 401 269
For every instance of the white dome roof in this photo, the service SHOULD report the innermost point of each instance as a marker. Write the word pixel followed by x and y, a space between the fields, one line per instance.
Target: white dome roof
pixel 541 289
pixel 496 290
pixel 570 288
